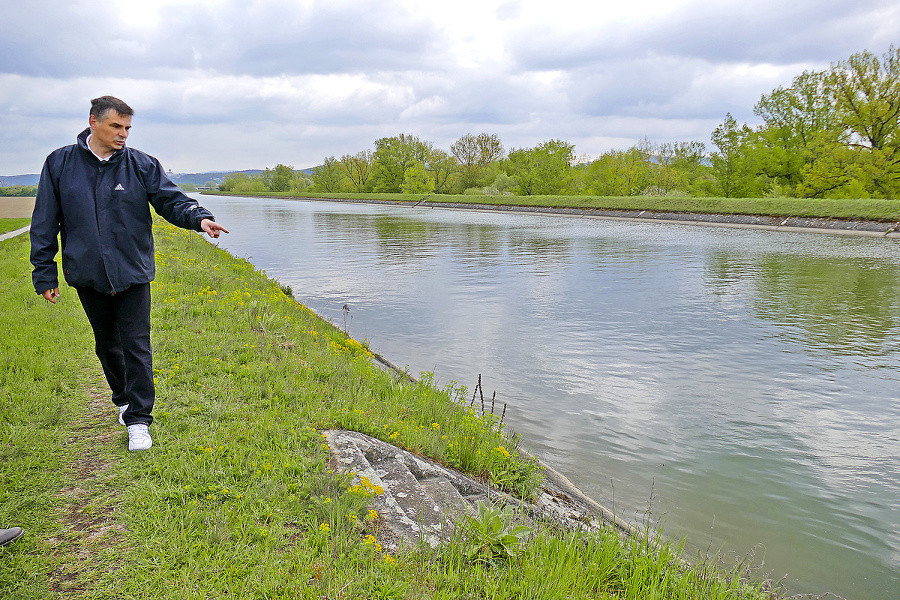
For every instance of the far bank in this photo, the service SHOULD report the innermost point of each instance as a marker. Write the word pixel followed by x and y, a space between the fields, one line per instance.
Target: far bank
pixel 876 218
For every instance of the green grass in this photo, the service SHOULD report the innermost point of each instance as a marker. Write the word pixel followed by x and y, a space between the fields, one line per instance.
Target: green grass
pixel 863 209
pixel 12 224
pixel 235 500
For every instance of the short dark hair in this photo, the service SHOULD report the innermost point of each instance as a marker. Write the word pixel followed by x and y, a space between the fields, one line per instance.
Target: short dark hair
pixel 102 105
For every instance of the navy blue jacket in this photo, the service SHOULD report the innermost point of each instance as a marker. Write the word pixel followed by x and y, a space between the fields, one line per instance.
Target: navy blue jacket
pixel 101 209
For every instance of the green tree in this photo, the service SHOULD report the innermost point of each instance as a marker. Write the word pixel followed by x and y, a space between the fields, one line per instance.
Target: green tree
pixel 834 133
pixel 417 180
pixel 18 190
pixel 243 183
pixel 443 169
pixel 475 155
pixel 282 179
pixel 734 164
pixel 866 93
pixel 232 181
pixel 393 156
pixel 793 118
pixel 327 177
pixel 301 182
pixel 541 170
pixel 358 168
pixel 690 162
pixel 620 172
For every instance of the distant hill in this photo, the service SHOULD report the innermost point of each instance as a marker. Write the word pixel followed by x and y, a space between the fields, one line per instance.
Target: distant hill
pixel 202 178
pixel 11 180
pixel 177 178
pixel 217 176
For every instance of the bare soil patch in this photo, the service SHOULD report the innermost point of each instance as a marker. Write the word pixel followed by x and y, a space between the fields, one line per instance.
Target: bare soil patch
pixel 86 508
pixel 16 207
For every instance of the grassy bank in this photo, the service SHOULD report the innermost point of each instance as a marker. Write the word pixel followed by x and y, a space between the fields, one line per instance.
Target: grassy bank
pixel 855 209
pixel 7 225
pixel 235 499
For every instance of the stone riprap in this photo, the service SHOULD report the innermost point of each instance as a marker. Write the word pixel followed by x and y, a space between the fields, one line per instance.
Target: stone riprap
pixel 422 501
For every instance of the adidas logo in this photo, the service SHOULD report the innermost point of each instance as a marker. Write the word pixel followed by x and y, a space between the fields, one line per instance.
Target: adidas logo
pixel 119 188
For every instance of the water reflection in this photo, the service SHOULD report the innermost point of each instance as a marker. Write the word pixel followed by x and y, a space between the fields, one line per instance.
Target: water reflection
pixel 841 305
pixel 744 381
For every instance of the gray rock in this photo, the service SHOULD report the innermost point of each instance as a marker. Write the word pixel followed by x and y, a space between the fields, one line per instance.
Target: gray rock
pixel 423 502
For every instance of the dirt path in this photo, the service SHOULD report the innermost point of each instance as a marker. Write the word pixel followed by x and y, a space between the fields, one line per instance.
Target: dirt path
pixel 86 504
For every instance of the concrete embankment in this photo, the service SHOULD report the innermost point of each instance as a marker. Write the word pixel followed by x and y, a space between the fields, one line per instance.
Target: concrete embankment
pixel 765 222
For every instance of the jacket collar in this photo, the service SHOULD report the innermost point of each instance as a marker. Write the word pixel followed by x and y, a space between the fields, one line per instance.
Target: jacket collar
pixel 82 143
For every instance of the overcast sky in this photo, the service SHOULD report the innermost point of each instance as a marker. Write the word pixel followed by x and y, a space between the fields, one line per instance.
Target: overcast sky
pixel 244 84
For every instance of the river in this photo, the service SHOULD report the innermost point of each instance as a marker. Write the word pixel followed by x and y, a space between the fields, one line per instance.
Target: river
pixel 740 385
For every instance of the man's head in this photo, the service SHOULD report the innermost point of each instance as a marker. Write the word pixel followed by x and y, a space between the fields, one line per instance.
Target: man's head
pixel 102 105
pixel 110 121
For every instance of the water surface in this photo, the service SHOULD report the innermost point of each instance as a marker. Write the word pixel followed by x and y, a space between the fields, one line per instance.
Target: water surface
pixel 742 385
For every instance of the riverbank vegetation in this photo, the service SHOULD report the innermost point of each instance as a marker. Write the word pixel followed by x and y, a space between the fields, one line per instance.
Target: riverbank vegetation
pixel 831 134
pixel 7 191
pixel 887 211
pixel 7 225
pixel 236 499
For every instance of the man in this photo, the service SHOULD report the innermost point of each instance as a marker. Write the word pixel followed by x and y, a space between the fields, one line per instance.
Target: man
pixel 97 195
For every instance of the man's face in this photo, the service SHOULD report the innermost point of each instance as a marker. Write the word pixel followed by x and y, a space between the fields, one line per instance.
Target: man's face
pixel 110 134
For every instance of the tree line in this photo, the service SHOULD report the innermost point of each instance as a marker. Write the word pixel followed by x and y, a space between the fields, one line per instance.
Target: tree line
pixel 830 134
pixel 18 190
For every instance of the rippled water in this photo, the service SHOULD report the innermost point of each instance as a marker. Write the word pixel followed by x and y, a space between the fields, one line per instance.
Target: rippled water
pixel 742 385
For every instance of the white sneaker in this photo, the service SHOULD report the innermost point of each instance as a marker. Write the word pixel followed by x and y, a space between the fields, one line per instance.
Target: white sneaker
pixel 122 410
pixel 139 437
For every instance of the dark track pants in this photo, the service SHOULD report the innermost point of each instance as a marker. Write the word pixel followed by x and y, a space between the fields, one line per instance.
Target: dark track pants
pixel 121 324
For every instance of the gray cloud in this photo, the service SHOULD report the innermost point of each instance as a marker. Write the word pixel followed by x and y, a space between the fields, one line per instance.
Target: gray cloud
pixel 259 38
pixel 221 84
pixel 774 32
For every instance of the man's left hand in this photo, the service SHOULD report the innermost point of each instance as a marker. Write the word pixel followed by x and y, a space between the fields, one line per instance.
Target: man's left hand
pixel 212 228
